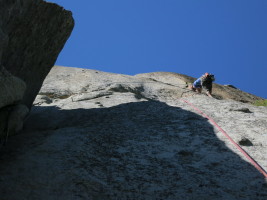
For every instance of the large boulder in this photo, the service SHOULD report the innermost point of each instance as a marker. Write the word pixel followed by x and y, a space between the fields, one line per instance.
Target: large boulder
pixel 33 32
pixel 12 113
pixel 11 88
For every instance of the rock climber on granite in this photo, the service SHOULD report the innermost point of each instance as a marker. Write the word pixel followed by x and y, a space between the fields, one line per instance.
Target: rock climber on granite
pixel 205 81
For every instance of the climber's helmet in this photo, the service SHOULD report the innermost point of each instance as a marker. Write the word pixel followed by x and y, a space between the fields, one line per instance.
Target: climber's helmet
pixel 211 76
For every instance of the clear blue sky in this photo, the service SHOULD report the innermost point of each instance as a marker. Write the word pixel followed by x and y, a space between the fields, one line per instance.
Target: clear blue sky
pixel 225 37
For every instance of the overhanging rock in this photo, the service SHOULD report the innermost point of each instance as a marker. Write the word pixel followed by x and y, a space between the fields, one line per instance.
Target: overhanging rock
pixel 34 32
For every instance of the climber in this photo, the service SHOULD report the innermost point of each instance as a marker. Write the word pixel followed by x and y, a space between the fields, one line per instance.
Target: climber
pixel 204 81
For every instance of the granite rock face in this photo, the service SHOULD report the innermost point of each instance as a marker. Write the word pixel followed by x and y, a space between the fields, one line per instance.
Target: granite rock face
pixel 218 91
pixel 11 88
pixel 97 135
pixel 33 32
pixel 11 94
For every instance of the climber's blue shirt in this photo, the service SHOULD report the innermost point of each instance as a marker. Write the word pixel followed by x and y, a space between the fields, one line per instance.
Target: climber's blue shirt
pixel 197 83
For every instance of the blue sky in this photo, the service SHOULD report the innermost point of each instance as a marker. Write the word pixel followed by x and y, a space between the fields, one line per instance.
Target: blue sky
pixel 225 37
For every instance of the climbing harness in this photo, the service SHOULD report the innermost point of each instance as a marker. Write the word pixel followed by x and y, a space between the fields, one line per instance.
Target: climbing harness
pixel 253 162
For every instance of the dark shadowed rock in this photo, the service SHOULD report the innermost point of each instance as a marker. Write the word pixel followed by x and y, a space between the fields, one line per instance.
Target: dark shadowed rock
pixel 245 142
pixel 245 110
pixel 230 86
pixel 11 88
pixel 33 32
pixel 12 113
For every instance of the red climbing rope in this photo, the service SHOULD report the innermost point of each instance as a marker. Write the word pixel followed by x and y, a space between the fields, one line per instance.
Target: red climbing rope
pixel 256 165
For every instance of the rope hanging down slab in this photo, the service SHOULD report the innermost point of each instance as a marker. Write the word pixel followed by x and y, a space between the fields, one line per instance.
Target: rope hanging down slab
pixel 253 162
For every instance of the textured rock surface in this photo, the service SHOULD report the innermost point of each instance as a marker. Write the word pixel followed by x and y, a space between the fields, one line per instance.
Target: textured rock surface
pixel 219 91
pixel 96 135
pixel 33 32
pixel 11 93
pixel 11 88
